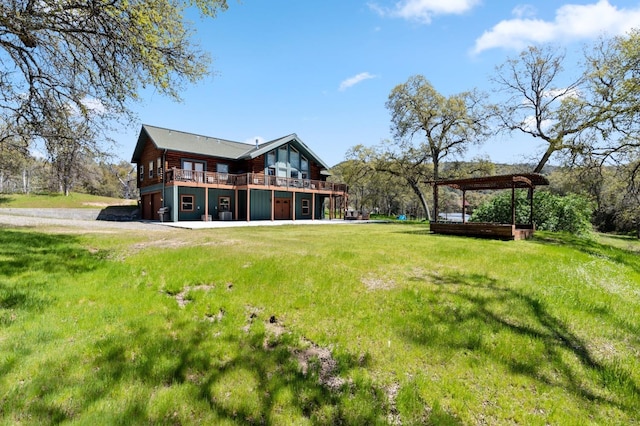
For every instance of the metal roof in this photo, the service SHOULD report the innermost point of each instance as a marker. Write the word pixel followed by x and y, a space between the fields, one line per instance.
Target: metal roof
pixel 175 140
pixel 518 180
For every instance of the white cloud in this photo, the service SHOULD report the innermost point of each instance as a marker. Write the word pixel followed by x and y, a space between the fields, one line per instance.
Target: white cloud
pixel 572 22
pixel 253 140
pixel 524 10
pixel 424 10
pixel 352 81
pixel 561 94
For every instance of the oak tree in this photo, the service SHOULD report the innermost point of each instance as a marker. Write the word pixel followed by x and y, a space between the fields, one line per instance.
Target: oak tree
pixel 429 126
pixel 93 56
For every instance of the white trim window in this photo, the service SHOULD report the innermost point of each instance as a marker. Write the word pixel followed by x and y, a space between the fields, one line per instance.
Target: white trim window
pixel 186 202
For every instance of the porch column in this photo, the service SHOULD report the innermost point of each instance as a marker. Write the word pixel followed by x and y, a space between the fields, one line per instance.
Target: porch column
pixel 175 206
pixel 248 204
pixel 235 205
pixel 293 205
pixel 331 207
pixel 273 205
pixel 206 203
pixel 313 206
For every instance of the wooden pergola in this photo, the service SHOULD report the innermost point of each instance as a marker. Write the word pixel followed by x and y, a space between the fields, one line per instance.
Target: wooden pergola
pixel 512 231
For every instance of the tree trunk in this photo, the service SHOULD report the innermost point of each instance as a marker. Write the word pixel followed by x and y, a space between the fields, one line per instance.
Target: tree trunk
pixel 423 200
pixel 544 159
pixel 25 181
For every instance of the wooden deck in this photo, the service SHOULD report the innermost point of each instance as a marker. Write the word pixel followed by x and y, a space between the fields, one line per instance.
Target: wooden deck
pixel 484 230
pixel 251 180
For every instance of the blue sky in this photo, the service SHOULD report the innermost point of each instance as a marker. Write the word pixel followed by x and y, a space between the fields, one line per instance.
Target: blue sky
pixel 324 69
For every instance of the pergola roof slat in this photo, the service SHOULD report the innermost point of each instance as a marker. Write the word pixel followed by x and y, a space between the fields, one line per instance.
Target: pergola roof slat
pixel 518 180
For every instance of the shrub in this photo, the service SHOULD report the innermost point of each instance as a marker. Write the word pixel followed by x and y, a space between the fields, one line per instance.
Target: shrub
pixel 570 213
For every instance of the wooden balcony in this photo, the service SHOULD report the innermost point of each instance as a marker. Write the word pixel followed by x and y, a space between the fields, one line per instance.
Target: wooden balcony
pixel 251 180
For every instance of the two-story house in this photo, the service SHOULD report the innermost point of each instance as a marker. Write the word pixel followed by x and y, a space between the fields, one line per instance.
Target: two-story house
pixel 195 177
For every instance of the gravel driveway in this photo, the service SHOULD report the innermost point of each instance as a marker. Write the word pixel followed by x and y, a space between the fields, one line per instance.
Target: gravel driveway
pixel 78 218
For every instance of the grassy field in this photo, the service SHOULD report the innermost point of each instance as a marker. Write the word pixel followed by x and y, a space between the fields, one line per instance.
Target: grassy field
pixel 355 324
pixel 73 200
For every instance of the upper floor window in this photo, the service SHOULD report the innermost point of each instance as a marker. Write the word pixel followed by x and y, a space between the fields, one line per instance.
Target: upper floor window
pixel 159 167
pixel 271 158
pixel 294 157
pixel 222 168
pixel 283 153
pixel 141 174
pixel 304 163
pixel 150 169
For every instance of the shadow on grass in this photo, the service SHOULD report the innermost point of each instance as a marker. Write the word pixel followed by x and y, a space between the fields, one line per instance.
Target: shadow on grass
pixel 36 257
pixel 471 312
pixel 614 254
pixel 5 199
pixel 37 252
pixel 203 375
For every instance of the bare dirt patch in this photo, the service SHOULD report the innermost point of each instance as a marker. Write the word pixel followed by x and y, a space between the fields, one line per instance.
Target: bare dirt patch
pixel 311 357
pixel 181 297
pixel 374 282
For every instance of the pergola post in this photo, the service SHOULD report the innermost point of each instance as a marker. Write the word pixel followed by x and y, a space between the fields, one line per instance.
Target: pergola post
pixel 531 207
pixel 436 208
pixel 464 206
pixel 513 203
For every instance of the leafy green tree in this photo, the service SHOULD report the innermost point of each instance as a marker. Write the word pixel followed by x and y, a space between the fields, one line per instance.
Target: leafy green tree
pixel 428 126
pixel 93 57
pixel 402 160
pixel 570 213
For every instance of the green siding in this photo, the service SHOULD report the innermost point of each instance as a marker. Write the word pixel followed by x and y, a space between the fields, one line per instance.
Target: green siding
pixel 242 205
pixel 260 205
pixel 299 198
pixel 198 203
pixel 214 194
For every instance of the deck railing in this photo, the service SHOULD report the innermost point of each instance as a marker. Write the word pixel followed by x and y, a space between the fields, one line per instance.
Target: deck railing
pixel 252 179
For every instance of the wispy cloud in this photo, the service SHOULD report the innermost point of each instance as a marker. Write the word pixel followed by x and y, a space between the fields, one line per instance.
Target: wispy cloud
pixel 352 81
pixel 253 140
pixel 423 10
pixel 572 22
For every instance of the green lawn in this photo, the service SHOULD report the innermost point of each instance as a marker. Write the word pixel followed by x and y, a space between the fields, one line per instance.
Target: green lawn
pixel 355 324
pixel 73 200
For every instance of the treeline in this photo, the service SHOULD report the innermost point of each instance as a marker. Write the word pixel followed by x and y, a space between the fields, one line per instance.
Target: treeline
pixel 601 198
pixel 585 116
pixel 21 172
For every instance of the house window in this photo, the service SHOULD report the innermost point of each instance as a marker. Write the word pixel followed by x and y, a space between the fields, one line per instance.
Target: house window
pixel 304 167
pixel 141 174
pixel 186 203
pixel 294 157
pixel 159 167
pixel 150 169
pixel 305 206
pixel 222 168
pixel 193 170
pixel 271 158
pixel 224 204
pixel 283 154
